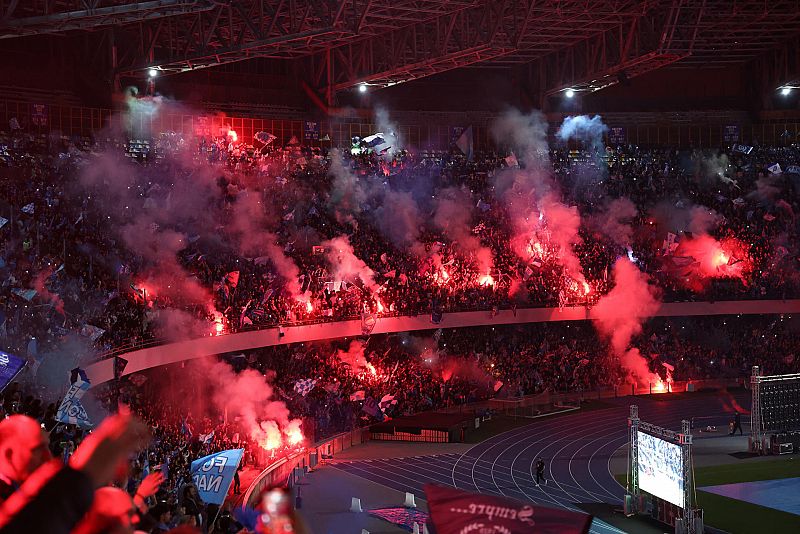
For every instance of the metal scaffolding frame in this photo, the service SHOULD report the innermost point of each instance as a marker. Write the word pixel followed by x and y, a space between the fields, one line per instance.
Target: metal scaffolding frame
pixel 760 424
pixel 756 440
pixel 547 45
pixel 689 524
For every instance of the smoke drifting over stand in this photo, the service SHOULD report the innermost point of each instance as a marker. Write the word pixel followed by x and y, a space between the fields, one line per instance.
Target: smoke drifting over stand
pixel 619 315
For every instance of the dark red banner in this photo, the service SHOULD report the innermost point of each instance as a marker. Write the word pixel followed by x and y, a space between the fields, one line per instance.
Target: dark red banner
pixel 454 511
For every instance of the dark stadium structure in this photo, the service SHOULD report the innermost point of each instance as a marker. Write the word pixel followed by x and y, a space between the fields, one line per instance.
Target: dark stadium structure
pixel 446 266
pixel 326 48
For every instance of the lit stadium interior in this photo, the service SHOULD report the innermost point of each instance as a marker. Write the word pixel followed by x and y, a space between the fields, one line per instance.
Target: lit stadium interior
pixel 385 266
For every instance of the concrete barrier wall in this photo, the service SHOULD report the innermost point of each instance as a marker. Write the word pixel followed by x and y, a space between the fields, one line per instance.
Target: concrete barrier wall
pixel 139 360
pixel 278 473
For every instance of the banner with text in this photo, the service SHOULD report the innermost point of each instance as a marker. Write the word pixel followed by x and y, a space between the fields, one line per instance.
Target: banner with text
pixel 213 474
pixel 454 511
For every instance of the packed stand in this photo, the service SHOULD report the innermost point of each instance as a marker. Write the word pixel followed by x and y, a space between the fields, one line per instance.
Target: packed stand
pixel 71 265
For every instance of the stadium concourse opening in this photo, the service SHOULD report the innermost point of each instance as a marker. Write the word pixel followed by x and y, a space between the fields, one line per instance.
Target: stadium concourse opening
pixel 399 266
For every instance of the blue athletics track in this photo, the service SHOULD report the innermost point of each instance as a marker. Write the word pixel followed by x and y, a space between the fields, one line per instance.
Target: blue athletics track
pixel 577 449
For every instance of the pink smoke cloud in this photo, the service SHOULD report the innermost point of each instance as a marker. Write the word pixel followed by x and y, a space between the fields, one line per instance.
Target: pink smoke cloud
pixel 345 264
pixel 618 316
pixel 453 214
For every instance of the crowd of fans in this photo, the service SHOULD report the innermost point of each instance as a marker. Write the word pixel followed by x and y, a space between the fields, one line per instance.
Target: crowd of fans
pixel 454 367
pixel 156 477
pixel 420 372
pixel 69 264
pixel 70 270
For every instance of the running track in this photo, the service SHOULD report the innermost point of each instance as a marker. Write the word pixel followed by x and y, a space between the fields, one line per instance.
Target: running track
pixel 577 449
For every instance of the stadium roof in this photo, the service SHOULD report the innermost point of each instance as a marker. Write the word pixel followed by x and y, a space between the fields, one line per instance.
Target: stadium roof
pixel 583 44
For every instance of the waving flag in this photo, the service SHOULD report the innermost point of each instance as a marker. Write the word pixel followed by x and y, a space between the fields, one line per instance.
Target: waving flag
pixel 373 140
pixel 26 294
pixel 304 387
pixel 386 402
pixel 465 144
pixel 371 407
pixel 71 410
pixel 206 438
pixel 264 137
pixel 368 322
pixel 119 366
pixel 91 331
pixel 213 474
pixel 186 429
pixel 164 468
pixel 139 292
pixel 28 208
pixel 11 365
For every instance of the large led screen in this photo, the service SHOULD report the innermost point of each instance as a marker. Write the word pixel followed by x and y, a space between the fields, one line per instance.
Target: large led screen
pixel 660 468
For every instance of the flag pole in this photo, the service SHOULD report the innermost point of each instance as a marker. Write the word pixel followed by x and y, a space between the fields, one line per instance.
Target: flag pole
pixel 228 489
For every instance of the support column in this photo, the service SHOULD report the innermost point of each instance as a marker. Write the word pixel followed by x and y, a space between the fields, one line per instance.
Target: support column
pixel 756 425
pixel 633 496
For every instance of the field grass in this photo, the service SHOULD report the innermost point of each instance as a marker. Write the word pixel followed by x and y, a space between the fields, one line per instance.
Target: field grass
pixel 744 471
pixel 739 517
pixel 736 516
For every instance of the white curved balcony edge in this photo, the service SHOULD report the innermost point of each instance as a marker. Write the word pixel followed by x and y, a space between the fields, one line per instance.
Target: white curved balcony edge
pixel 147 358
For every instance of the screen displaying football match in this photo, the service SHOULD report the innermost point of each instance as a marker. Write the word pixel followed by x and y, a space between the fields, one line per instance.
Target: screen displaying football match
pixel 660 468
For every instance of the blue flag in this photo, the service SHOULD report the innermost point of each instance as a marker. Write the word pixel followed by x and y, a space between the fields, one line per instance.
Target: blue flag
pixel 206 438
pixel 213 474
pixel 186 430
pixel 71 410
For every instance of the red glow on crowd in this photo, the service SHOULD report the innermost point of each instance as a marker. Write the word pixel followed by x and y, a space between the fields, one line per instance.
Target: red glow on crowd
pixel 293 432
pixel 658 385
pixel 144 290
pixel 702 258
pixel 447 373
pixel 219 324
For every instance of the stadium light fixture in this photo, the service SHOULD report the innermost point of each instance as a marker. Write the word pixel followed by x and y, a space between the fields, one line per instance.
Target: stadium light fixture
pixel 152 73
pixel 570 93
pixel 362 88
pixel 786 90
